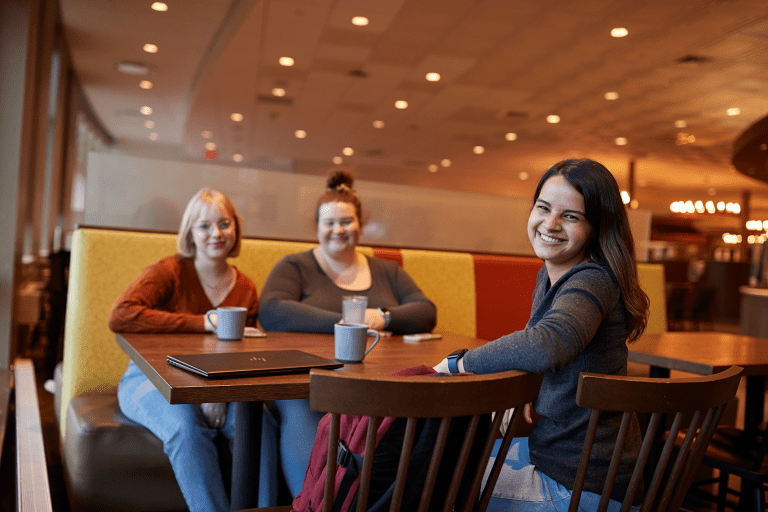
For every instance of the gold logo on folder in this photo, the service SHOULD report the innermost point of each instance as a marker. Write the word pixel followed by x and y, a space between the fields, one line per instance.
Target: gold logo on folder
pixel 262 359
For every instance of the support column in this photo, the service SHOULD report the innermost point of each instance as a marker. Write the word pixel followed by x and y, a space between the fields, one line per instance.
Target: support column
pixel 746 196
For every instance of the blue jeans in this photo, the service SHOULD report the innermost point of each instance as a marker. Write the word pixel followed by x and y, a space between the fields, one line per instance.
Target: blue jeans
pixel 186 438
pixel 521 487
pixel 289 428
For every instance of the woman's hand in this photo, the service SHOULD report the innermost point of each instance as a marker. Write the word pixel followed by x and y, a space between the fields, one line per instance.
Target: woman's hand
pixel 215 414
pixel 374 319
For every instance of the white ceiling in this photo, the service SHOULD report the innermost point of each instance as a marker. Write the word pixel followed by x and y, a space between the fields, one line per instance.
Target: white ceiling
pixel 505 65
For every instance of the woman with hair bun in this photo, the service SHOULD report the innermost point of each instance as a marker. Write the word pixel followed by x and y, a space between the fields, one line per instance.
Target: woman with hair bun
pixel 303 293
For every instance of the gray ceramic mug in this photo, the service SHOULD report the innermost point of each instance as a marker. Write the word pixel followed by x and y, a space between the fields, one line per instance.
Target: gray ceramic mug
pixel 231 322
pixel 350 341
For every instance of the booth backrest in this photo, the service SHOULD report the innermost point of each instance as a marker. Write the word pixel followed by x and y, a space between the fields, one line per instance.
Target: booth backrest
pixel 480 295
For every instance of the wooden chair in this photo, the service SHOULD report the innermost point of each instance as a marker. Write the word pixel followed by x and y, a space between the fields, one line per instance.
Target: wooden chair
pixel 423 397
pixel 703 398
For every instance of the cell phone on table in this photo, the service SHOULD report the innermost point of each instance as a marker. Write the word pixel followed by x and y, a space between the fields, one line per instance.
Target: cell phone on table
pixel 253 332
pixel 422 336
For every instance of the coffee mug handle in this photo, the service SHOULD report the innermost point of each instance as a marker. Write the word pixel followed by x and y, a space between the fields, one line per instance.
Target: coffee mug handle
pixel 208 317
pixel 378 336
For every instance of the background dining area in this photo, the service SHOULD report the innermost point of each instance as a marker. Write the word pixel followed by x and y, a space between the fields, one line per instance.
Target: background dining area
pixel 447 114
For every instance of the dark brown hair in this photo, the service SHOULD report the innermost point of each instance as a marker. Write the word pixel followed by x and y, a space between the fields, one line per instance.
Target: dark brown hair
pixel 340 191
pixel 611 239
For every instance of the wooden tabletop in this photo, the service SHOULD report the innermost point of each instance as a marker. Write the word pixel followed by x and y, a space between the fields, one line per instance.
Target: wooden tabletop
pixel 701 352
pixel 149 352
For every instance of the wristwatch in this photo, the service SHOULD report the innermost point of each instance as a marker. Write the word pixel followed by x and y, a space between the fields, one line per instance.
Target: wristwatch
pixel 387 316
pixel 453 360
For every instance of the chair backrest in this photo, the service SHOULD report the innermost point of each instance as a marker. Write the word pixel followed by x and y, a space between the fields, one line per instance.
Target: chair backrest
pixel 702 398
pixel 424 397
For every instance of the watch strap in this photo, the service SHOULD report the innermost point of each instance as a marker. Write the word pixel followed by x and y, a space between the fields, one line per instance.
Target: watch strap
pixel 453 360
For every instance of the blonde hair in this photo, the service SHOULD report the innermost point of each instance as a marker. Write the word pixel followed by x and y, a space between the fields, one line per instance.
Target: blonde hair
pixel 205 197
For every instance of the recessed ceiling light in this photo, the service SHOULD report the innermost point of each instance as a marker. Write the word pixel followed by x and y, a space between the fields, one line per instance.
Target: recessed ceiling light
pixel 733 111
pixel 337 160
pixel 621 141
pixel 478 150
pixel 553 119
pixel 378 124
pixel 159 6
pixel 300 134
pixel 348 151
pixel 433 77
pixel 132 68
pixel 210 146
pixel 286 61
pixel 612 95
pixel 432 168
pixel 510 136
pixel 150 48
pixel 619 32
pixel 523 176
pixel 237 157
pixel 445 162
pixel 206 134
pixel 146 110
pixel 360 21
pixel 236 117
pixel 153 136
pixel 149 124
pixel 145 84
pixel 278 91
pixel 680 123
pixel 401 104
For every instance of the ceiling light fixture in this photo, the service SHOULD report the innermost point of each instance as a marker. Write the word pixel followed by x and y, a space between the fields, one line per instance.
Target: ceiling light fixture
pixel 445 162
pixel 360 21
pixel 619 32
pixel 432 168
pixel 145 84
pixel 337 160
pixel 206 134
pixel 510 136
pixel 348 151
pixel 401 104
pixel 147 111
pixel 523 176
pixel 300 134
pixel 159 6
pixel 149 124
pixel 733 111
pixel 478 150
pixel 433 77
pixel 553 119
pixel 278 91
pixel 237 157
pixel 150 48
pixel 625 197
pixel 378 124
pixel 680 123
pixel 236 117
pixel 132 68
pixel 612 95
pixel 621 141
pixel 286 61
pixel 153 136
pixel 210 146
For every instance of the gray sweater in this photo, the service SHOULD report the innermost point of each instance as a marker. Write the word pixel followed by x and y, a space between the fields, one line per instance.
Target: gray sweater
pixel 577 325
pixel 299 297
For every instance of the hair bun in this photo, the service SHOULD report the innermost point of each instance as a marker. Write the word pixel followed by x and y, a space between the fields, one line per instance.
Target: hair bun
pixel 338 178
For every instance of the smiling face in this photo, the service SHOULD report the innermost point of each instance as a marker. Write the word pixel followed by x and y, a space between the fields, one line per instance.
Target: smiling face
pixel 338 227
pixel 558 227
pixel 213 233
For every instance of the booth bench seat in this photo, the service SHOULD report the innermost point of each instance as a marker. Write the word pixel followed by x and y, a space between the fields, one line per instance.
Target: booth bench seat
pixel 111 463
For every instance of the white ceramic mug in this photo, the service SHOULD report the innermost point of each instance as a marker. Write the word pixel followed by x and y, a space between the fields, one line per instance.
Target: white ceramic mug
pixel 350 341
pixel 353 308
pixel 231 322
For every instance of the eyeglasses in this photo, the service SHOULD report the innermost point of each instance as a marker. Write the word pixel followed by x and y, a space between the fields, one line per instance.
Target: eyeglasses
pixel 223 225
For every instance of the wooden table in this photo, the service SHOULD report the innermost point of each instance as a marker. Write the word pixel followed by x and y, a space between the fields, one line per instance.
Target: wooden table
pixel 706 353
pixel 149 352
